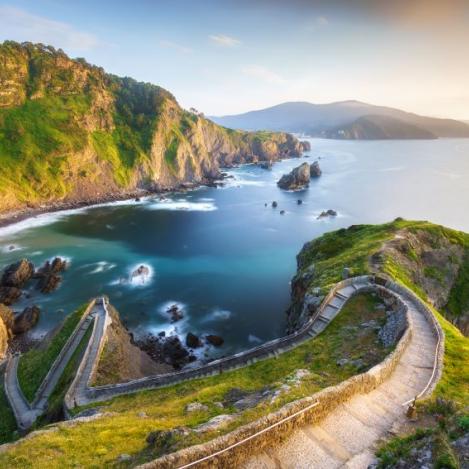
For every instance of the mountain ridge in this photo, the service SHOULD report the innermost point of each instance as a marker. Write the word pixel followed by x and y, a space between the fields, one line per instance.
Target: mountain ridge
pixel 70 132
pixel 327 120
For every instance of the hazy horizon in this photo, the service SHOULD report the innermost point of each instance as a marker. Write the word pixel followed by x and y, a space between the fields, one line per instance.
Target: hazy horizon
pixel 228 57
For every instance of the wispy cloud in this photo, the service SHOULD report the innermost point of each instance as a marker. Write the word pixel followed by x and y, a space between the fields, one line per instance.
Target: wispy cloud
pixel 173 45
pixel 322 21
pixel 225 41
pixel 262 73
pixel 20 25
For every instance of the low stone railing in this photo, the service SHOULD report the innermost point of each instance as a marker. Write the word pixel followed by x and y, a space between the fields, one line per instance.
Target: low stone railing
pixel 62 353
pixel 232 449
pixel 232 362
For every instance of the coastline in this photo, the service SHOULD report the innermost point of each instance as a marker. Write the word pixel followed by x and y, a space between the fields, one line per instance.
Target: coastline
pixel 16 216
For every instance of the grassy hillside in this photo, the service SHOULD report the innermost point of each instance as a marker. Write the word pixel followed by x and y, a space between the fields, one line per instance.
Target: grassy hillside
pixel 69 131
pixel 134 416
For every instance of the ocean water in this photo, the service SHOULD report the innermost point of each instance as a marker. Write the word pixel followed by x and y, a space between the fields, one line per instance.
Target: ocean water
pixel 223 256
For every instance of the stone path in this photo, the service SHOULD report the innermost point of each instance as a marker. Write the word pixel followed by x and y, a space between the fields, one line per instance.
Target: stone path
pixel 347 437
pixel 26 413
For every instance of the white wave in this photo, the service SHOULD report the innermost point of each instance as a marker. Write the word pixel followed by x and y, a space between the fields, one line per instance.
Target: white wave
pixel 392 169
pixel 102 266
pixel 253 339
pixel 182 204
pixel 51 217
pixel 140 280
pixel 36 253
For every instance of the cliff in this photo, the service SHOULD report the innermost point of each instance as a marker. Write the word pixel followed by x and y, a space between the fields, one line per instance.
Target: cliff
pixel 430 259
pixel 120 359
pixel 71 132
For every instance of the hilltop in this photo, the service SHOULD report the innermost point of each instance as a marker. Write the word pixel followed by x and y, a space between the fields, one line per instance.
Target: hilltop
pixel 345 119
pixel 70 132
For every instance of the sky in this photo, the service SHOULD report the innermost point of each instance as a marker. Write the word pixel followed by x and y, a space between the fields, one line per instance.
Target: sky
pixel 231 56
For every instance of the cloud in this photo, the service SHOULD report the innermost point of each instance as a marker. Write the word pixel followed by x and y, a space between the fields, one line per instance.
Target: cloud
pixel 20 25
pixel 173 45
pixel 322 21
pixel 262 73
pixel 225 41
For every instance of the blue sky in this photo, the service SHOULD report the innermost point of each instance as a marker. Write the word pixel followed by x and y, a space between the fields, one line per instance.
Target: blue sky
pixel 230 56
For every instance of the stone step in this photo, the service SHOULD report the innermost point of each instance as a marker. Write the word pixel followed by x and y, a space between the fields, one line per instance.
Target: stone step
pixel 350 433
pixel 303 451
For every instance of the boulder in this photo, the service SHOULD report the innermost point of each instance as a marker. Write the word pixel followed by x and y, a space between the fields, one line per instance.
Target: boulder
pixel 298 178
pixel 196 407
pixel 48 283
pixel 175 313
pixel 26 320
pixel 282 212
pixel 299 202
pixel 274 204
pixel 214 340
pixel 315 170
pixel 193 341
pixel 265 164
pixel 305 146
pixel 16 275
pixel 327 213
pixel 215 423
pixel 8 295
pixel 175 354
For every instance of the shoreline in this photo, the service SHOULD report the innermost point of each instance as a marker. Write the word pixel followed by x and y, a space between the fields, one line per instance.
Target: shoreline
pixel 17 216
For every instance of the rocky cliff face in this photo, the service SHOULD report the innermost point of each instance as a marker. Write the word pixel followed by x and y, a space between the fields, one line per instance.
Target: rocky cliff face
pixel 71 132
pixel 431 259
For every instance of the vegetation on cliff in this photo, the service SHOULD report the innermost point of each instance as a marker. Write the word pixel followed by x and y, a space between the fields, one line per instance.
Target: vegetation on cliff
pixel 71 132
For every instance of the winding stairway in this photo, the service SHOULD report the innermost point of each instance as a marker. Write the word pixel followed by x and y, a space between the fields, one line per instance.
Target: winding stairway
pixel 346 437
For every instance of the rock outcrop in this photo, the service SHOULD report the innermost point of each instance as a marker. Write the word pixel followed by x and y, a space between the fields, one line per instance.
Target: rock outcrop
pixel 16 275
pixel 298 178
pixel 26 320
pixel 6 325
pixel 315 170
pixel 121 360
pixel 115 136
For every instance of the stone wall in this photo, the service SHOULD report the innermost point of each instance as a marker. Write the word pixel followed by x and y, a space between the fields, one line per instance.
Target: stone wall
pixel 231 449
pixel 266 350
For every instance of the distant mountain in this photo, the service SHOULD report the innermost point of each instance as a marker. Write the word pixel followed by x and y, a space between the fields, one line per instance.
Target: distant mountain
pixel 345 119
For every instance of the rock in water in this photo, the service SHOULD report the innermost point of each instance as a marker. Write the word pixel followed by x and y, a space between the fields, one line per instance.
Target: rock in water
pixel 48 276
pixel 327 213
pixel 142 271
pixel 175 312
pixel 193 341
pixel 315 170
pixel 26 320
pixel 16 275
pixel 297 179
pixel 274 204
pixel 8 295
pixel 214 340
pixel 305 146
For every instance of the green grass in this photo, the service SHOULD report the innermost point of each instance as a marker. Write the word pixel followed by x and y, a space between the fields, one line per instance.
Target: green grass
pixel 458 301
pixel 34 141
pixel 54 410
pixel 35 364
pixel 126 430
